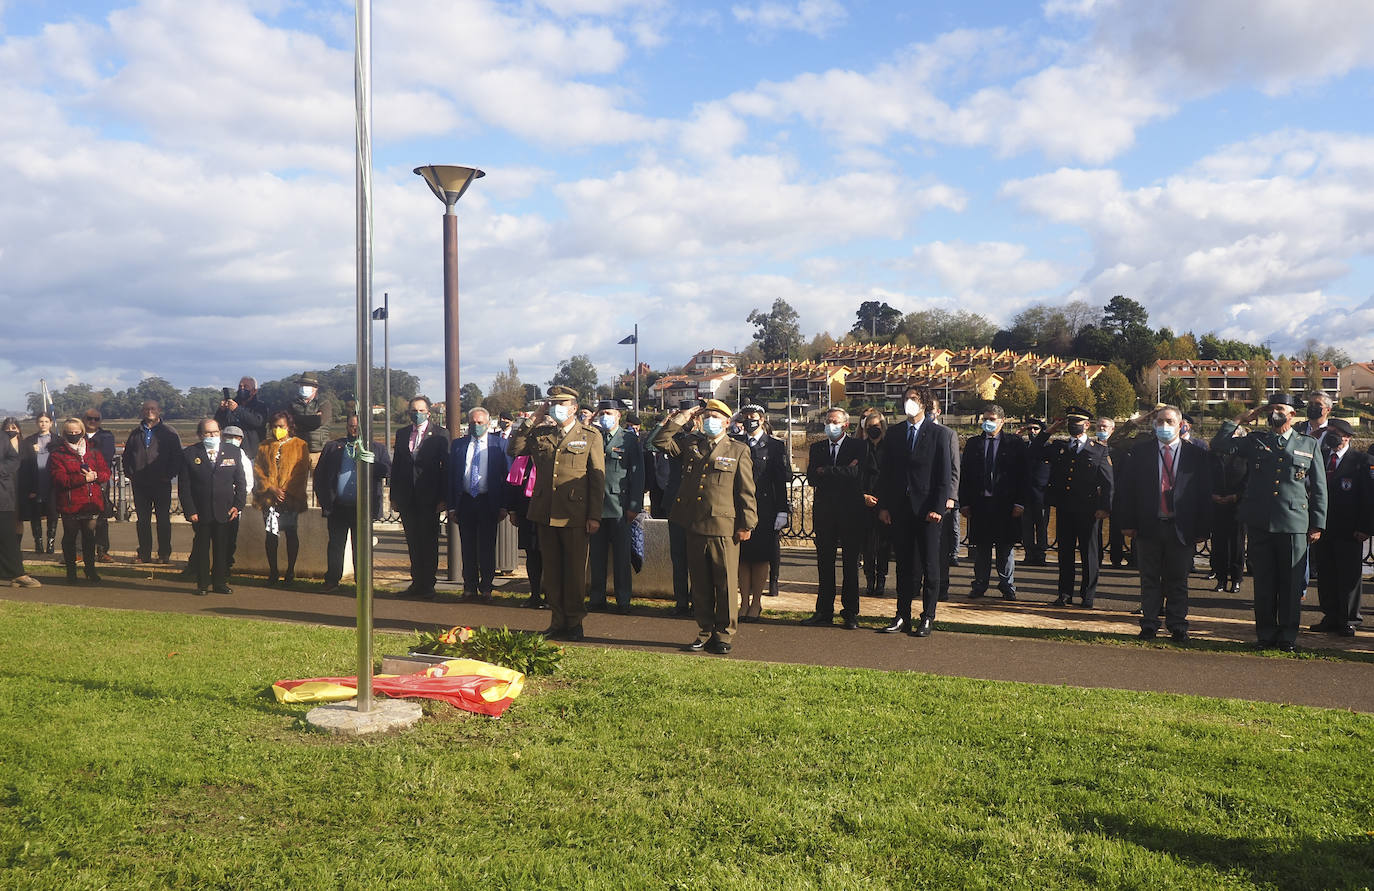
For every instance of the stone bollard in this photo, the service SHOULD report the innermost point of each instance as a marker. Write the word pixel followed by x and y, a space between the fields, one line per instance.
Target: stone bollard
pixel 251 554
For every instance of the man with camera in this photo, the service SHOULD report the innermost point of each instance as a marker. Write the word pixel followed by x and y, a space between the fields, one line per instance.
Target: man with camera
pixel 242 409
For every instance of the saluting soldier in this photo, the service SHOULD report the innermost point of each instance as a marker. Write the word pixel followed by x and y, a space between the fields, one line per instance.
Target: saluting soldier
pixel 1284 510
pixel 1337 556
pixel 715 505
pixel 1080 491
pixel 569 488
pixel 623 501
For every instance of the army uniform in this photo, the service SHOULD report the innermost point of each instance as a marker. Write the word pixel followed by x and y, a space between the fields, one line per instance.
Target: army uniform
pixel 1080 485
pixel 715 501
pixel 569 489
pixel 1285 498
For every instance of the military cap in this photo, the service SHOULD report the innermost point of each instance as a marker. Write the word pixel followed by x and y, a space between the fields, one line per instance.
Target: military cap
pixel 605 404
pixel 1190 419
pixel 506 416
pixel 1077 412
pixel 232 431
pixel 751 409
pixel 308 379
pixel 632 419
pixel 717 405
pixel 1283 399
pixel 1036 421
pixel 560 393
pixel 1341 426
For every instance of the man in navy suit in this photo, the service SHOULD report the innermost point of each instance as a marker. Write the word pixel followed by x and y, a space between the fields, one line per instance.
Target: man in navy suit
pixel 992 495
pixel 916 482
pixel 1163 501
pixel 418 489
pixel 833 469
pixel 477 477
pixel 1349 523
pixel 212 495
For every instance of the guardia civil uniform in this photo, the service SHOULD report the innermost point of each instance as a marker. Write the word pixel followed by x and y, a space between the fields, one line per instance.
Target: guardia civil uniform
pixel 1284 500
pixel 1080 485
pixel 715 500
pixel 569 488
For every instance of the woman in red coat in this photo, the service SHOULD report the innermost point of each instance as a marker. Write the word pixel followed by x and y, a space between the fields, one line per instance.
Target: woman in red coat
pixel 78 471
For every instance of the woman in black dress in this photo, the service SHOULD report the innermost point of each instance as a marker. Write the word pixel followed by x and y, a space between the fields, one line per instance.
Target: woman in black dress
pixel 771 476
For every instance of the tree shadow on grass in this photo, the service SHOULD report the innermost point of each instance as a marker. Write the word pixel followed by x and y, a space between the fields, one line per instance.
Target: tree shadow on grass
pixel 1301 862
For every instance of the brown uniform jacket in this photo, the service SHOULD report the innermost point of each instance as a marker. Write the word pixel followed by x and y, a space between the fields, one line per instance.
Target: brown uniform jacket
pixel 717 493
pixel 569 472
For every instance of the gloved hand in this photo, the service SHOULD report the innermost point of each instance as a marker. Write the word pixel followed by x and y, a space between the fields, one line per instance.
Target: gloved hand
pixel 780 521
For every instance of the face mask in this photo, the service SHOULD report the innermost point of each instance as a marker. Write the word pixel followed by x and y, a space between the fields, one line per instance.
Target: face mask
pixel 750 425
pixel 561 413
pixel 419 417
pixel 1077 430
pixel 1277 419
pixel 912 408
pixel 1165 433
pixel 211 443
pixel 307 393
pixel 834 431
pixel 1103 435
pixel 873 431
pixel 1333 441
pixel 242 395
pixel 1314 411
pixel 279 432
pixel 713 426
pixel 477 430
pixel 234 441
pixel 989 427
pixel 73 438
pixel 606 422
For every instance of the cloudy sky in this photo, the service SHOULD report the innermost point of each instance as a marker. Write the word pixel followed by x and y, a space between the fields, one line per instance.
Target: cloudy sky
pixel 176 179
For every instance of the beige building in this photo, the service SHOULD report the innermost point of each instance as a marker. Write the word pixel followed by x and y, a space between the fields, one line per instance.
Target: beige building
pixel 1357 381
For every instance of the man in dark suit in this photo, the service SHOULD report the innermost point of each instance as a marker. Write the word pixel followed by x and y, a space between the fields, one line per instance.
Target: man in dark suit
pixel 418 490
pixel 1163 500
pixel 1337 555
pixel 212 496
pixel 992 496
pixel 916 484
pixel 1035 522
pixel 477 477
pixel 833 469
pixel 336 489
pixel 949 526
pixel 622 502
pixel 1080 491
pixel 1228 532
pixel 152 459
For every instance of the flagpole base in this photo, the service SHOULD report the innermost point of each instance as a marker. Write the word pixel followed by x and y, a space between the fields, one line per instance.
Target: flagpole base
pixel 344 719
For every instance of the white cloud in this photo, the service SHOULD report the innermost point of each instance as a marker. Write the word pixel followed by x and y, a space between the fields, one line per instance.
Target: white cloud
pixel 815 17
pixel 987 275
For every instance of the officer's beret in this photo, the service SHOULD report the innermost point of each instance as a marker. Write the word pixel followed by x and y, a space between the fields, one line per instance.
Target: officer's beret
pixel 308 379
pixel 506 416
pixel 1077 412
pixel 632 419
pixel 231 430
pixel 560 393
pixel 608 403
pixel 1340 426
pixel 751 408
pixel 1283 399
pixel 717 405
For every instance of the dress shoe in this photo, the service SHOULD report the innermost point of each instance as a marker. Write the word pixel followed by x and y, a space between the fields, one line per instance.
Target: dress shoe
pixel 533 602
pixel 201 592
pixel 719 647
pixel 1219 586
pixel 852 624
pixel 1086 604
pixel 553 633
pixel 976 593
pixel 750 619
pixel 1179 636
pixel 898 625
pixel 330 588
pixel 1061 600
pixel 696 646
pixel 142 560
pixel 1211 575
pixel 953 561
pixel 923 627
pixel 1286 647
pixel 104 557
pixel 1234 588
pixel 617 609
pixel 1264 645
pixel 1008 593
pixel 1148 634
pixel 574 635
pixel 597 607
pixel 223 589
pixel 815 621
pixel 1346 630
pixel 25 581
pixel 881 589
pixel 486 598
pixel 92 575
pixel 1323 625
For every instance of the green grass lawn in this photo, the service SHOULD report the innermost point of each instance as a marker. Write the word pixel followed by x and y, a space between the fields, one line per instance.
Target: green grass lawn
pixel 144 750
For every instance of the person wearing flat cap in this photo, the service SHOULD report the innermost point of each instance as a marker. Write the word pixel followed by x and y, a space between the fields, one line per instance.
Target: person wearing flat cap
pixel 1080 491
pixel 1337 555
pixel 1284 512
pixel 622 502
pixel 311 424
pixel 716 506
pixel 569 492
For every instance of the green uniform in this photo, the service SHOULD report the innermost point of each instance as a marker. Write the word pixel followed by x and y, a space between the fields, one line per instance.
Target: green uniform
pixel 1284 499
pixel 569 487
pixel 715 501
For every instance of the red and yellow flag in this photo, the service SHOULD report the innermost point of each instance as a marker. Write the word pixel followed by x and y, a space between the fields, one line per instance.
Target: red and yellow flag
pixel 473 686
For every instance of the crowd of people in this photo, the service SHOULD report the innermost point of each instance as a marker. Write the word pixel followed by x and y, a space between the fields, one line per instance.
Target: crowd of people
pixel 1291 501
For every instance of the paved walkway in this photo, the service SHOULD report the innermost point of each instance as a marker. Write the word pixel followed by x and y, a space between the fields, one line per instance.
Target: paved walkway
pixel 1333 683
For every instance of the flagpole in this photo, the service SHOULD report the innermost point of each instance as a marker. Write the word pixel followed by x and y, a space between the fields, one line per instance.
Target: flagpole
pixel 636 368
pixel 362 95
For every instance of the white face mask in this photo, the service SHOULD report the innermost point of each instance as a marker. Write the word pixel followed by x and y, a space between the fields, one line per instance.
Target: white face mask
pixel 307 393
pixel 834 431
pixel 562 412
pixel 912 408
pixel 606 422
pixel 713 427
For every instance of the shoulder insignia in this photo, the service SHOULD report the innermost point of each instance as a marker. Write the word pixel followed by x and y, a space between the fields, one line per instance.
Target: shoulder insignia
pixel 1302 454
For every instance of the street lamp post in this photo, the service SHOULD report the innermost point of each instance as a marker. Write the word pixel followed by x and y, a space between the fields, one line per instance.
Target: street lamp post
pixel 448 183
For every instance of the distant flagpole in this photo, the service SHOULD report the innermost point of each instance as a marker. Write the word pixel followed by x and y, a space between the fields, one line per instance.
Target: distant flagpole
pixel 46 396
pixel 634 339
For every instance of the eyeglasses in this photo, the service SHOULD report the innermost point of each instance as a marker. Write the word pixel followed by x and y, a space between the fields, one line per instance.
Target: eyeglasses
pixel 93 417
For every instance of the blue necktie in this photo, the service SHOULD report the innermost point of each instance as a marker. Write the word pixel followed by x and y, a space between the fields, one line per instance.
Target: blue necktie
pixel 475 477
pixel 911 437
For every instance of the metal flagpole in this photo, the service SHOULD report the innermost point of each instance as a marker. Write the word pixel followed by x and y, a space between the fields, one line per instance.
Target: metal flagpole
pixel 636 368
pixel 362 94
pixel 386 359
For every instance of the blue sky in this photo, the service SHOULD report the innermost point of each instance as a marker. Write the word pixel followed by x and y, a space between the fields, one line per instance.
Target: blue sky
pixel 177 178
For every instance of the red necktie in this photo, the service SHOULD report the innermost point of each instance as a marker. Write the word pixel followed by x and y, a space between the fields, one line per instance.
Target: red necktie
pixel 1166 481
pixel 1331 464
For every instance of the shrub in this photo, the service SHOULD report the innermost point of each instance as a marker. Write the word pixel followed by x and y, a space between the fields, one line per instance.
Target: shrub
pixel 524 651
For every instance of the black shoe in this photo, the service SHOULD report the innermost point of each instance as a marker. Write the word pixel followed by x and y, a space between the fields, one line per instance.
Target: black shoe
pixel 1323 625
pixel 1211 575
pixel 553 633
pixel 1087 603
pixel 1148 634
pixel 617 609
pixel 719 647
pixel 201 592
pixel 923 627
pixel 748 619
pixel 976 593
pixel 852 624
pixel 1346 630
pixel 881 589
pixel 71 575
pixel 92 575
pixel 818 620
pixel 534 601
pixel 273 580
pixel 696 646
pixel 223 589
pixel 1061 600
pixel 1008 593
pixel 870 587
pixel 1219 586
pixel 1180 636
pixel 597 607
pixel 898 625
pixel 1286 647
pixel 329 588
pixel 1264 645
pixel 680 612
pixel 1234 588
pixel 573 634
pixel 953 561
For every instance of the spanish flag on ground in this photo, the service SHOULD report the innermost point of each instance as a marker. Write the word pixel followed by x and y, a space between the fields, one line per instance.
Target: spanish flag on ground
pixel 473 686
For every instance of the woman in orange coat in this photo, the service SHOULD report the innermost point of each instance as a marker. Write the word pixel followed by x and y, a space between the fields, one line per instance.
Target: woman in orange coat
pixel 281 470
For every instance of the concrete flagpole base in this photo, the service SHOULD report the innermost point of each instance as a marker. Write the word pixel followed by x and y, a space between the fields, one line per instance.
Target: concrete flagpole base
pixel 344 719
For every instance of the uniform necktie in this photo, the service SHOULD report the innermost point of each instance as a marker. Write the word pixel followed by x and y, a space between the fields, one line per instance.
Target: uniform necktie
pixel 1166 481
pixel 474 477
pixel 1331 464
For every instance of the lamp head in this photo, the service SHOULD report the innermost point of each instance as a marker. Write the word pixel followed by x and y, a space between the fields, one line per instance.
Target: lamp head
pixel 448 182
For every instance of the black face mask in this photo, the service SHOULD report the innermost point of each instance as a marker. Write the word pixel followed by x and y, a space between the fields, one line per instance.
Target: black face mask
pixel 1314 411
pixel 242 395
pixel 1333 441
pixel 1077 430
pixel 873 431
pixel 1277 419
pixel 750 425
pixel 73 438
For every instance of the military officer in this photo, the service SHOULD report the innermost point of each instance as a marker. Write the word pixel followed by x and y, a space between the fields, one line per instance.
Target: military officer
pixel 623 501
pixel 1035 526
pixel 1337 555
pixel 1080 491
pixel 569 490
pixel 716 507
pixel 1284 511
